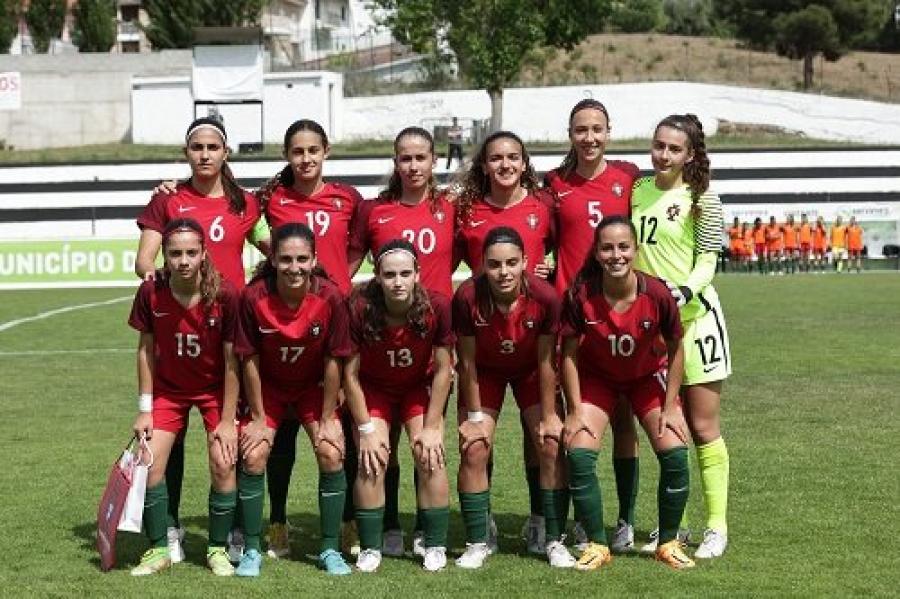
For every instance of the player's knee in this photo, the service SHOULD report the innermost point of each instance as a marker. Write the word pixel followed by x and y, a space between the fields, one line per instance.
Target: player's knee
pixel 476 455
pixel 254 461
pixel 329 457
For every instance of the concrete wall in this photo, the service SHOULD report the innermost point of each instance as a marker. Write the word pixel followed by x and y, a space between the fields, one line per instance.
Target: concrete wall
pixel 72 100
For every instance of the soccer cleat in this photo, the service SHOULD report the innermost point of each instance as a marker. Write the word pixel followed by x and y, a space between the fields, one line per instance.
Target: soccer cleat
pixel 235 545
pixel 623 538
pixel 684 536
pixel 535 534
pixel 672 554
pixel 333 562
pixel 579 537
pixel 350 538
pixel 713 544
pixel 251 562
pixel 594 556
pixel 154 560
pixel 277 537
pixel 559 556
pixel 418 544
pixel 392 543
pixel 368 560
pixel 434 559
pixel 474 556
pixel 493 535
pixel 217 560
pixel 175 540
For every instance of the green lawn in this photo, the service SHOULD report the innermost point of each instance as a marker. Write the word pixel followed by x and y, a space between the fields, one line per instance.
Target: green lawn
pixel 809 415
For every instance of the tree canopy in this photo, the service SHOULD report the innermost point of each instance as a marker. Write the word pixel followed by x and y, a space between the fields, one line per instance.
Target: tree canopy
pixel 95 25
pixel 45 19
pixel 172 21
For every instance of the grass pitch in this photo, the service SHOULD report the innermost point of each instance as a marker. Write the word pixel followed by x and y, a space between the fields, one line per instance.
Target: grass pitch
pixel 809 417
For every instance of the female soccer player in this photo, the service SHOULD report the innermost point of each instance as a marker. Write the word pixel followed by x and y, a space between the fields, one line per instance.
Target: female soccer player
pixel 854 245
pixel 506 321
pixel 227 214
pixel 587 186
pixel 748 247
pixel 838 239
pixel 820 244
pixel 759 245
pixel 791 244
pixel 736 245
pixel 679 224
pixel 399 371
pixel 292 339
pixel 298 193
pixel 613 317
pixel 805 235
pixel 774 246
pixel 187 318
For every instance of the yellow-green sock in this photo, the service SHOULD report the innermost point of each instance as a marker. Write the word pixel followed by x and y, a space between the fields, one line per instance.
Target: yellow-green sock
pixel 713 461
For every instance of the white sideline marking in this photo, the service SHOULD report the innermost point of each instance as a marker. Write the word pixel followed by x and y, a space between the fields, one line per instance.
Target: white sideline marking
pixel 41 316
pixel 58 352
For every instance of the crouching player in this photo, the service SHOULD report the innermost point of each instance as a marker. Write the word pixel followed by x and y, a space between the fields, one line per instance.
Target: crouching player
pixel 187 319
pixel 611 319
pixel 292 339
pixel 400 370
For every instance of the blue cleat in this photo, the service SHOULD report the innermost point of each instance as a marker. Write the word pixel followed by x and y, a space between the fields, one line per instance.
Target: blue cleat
pixel 250 564
pixel 333 562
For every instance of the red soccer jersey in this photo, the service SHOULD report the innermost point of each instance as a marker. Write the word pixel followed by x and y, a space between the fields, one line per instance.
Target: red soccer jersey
pixel 619 347
pixel 580 206
pixel 225 230
pixel 188 361
pixel 329 214
pixel 507 343
pixel 531 218
pixel 401 359
pixel 379 221
pixel 292 342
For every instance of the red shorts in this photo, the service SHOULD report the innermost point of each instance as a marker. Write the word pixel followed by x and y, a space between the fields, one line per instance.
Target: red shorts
pixel 307 404
pixel 492 390
pixel 400 408
pixel 760 249
pixel 790 250
pixel 855 253
pixel 644 394
pixel 171 414
pixel 804 247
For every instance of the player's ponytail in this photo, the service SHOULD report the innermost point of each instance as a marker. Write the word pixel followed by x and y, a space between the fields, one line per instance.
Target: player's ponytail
pixel 696 173
pixel 570 161
pixel 394 187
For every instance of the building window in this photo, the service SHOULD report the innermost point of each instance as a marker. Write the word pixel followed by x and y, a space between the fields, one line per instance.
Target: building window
pixel 130 12
pixel 131 47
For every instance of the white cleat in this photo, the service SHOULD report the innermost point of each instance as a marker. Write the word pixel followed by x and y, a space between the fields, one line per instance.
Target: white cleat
pixel 418 543
pixel 368 560
pixel 579 537
pixel 535 534
pixel 235 545
pixel 474 556
pixel 559 556
pixel 434 559
pixel 175 540
pixel 392 542
pixel 623 538
pixel 684 536
pixel 713 545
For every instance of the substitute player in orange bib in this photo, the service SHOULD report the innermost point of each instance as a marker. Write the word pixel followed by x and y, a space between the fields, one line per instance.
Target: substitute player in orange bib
pixel 855 244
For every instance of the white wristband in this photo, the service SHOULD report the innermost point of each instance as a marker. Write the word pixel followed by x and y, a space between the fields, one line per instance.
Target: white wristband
pixel 475 416
pixel 145 402
pixel 366 428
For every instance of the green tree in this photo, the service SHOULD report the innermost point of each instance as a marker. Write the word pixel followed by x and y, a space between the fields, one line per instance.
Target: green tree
pixel 8 24
pixel 172 21
pixel 804 34
pixel 45 19
pixel 490 39
pixel 690 17
pixel 635 16
pixel 95 25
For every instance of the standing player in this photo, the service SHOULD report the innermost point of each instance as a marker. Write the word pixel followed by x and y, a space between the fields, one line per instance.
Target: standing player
pixel 613 318
pixel 820 244
pixel 791 248
pixel 679 224
pixel 400 372
pixel 805 235
pixel 774 246
pixel 736 244
pixel 587 187
pixel 292 339
pixel 759 245
pixel 227 215
pixel 507 322
pixel 854 244
pixel 838 238
pixel 187 317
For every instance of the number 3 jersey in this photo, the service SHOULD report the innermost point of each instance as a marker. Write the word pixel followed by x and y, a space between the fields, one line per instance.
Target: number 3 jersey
pixel 188 360
pixel 292 342
pixel 400 359
pixel 429 228
pixel 506 344
pixel 621 347
pixel 225 231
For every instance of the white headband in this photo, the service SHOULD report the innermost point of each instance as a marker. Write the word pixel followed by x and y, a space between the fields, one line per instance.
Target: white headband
pixel 205 126
pixel 394 251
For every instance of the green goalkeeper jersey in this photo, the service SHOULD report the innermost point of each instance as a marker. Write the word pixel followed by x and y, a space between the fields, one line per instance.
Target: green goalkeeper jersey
pixel 674 244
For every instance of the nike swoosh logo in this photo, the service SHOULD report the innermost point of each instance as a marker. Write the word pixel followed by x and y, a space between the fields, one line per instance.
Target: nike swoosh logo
pixel 671 490
pixel 563 194
pixel 476 223
pixel 160 314
pixel 267 331
pixel 183 209
pixel 709 369
pixel 482 324
pixel 382 221
pixel 284 201
pixel 592 322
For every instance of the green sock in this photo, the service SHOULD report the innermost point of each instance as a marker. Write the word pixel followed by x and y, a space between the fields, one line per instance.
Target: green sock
pixel 251 494
pixel 476 510
pixel 673 490
pixel 585 491
pixel 556 512
pixel 221 516
pixel 174 481
pixel 369 522
pixel 627 478
pixel 435 522
pixel 713 461
pixel 535 499
pixel 332 490
pixel 156 514
pixel 391 491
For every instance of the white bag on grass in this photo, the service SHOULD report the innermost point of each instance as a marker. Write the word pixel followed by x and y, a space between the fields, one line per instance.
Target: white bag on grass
pixel 139 463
